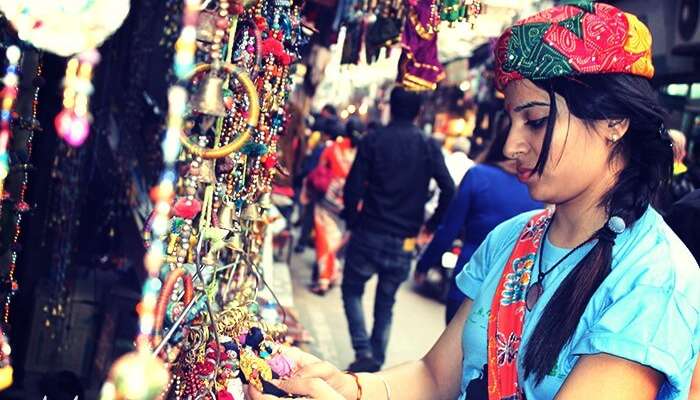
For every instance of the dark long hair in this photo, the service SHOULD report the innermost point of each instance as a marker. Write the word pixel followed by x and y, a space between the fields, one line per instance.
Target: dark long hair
pixel 646 148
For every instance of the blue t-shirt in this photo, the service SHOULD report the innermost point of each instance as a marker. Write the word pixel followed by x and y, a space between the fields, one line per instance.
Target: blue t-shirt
pixel 646 310
pixel 486 197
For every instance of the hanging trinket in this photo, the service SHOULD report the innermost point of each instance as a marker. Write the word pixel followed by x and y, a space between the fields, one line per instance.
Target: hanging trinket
pixel 9 94
pixel 73 122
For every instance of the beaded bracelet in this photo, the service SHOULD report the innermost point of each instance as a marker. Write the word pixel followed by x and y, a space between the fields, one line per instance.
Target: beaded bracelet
pixel 357 382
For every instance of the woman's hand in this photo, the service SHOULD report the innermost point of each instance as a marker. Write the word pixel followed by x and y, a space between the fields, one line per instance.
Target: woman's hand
pixel 309 388
pixel 311 367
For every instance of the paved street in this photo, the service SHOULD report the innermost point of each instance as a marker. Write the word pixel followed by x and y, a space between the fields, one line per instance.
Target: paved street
pixel 418 321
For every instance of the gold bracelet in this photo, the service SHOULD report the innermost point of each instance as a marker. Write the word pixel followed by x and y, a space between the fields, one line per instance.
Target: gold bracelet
pixel 357 382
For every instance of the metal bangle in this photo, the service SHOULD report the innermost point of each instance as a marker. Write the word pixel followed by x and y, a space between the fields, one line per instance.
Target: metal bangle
pixel 386 386
pixel 253 115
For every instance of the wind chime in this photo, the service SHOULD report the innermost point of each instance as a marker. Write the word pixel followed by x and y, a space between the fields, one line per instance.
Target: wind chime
pixel 202 333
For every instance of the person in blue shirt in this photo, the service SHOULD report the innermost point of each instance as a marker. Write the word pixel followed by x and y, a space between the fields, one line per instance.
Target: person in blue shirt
pixel 594 298
pixel 488 195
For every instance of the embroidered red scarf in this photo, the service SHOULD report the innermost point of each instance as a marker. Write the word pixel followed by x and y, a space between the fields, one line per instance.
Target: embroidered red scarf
pixel 508 312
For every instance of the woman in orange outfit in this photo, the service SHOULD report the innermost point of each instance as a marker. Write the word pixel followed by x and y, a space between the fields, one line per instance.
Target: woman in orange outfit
pixel 336 158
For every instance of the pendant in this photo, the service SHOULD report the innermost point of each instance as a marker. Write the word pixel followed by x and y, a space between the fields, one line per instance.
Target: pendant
pixel 533 294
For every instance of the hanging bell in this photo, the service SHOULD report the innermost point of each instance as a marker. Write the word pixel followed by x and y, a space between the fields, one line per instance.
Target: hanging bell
pixel 226 215
pixel 209 98
pixel 265 201
pixel 207 172
pixel 235 242
pixel 251 213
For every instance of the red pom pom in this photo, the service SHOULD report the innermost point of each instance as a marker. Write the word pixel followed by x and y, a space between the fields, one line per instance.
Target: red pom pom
pixel 272 46
pixel 224 395
pixel 187 209
pixel 285 59
pixel 235 8
pixel 261 23
pixel 270 161
pixel 205 368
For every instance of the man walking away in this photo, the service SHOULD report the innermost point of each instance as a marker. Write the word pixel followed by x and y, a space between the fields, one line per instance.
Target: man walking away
pixel 385 195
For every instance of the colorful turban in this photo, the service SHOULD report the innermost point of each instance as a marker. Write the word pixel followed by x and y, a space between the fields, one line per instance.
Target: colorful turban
pixel 581 37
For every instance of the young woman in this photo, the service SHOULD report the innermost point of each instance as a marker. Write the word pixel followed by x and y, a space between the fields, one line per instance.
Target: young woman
pixel 595 300
pixel 488 194
pixel 337 159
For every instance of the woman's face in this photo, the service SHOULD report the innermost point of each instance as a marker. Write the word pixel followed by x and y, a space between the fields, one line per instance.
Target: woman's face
pixel 579 155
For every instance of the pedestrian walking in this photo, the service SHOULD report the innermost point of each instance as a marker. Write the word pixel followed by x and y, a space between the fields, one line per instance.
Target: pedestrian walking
pixel 385 195
pixel 335 162
pixel 329 128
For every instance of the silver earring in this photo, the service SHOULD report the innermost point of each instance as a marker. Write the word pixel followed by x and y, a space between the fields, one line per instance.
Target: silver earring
pixel 614 138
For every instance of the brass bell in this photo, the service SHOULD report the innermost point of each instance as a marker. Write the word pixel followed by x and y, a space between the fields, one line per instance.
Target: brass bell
pixel 206 26
pixel 209 98
pixel 265 201
pixel 226 214
pixel 207 171
pixel 251 213
pixel 235 242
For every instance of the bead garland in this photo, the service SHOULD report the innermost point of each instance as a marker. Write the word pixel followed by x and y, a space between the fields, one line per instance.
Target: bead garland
pixel 9 94
pixel 20 208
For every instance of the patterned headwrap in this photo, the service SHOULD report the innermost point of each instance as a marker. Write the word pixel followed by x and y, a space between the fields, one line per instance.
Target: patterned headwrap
pixel 581 37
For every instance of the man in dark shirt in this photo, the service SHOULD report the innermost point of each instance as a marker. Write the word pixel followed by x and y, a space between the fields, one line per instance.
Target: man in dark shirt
pixel 385 195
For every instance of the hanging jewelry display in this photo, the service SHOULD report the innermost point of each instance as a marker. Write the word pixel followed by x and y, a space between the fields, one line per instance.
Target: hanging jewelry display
pixel 141 365
pixel 201 299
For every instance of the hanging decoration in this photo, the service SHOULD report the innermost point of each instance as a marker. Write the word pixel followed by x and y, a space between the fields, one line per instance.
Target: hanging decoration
pixel 9 94
pixel 201 316
pixel 73 122
pixel 20 205
pixel 65 27
pixel 419 67
pixel 140 374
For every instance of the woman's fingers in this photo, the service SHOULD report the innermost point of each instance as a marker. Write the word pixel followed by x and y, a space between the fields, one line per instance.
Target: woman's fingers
pixel 310 388
pixel 255 394
pixel 301 358
pixel 314 388
pixel 321 369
